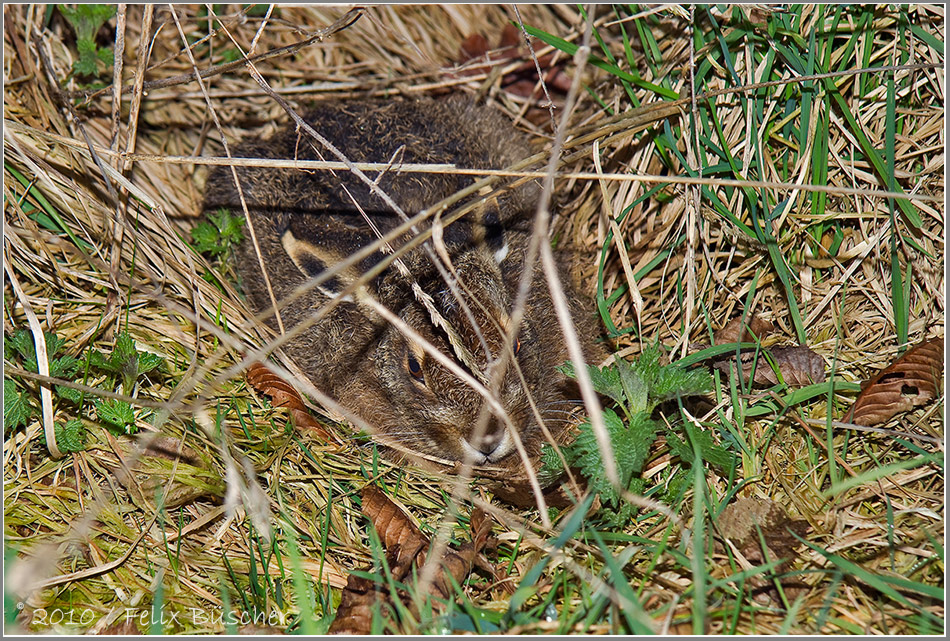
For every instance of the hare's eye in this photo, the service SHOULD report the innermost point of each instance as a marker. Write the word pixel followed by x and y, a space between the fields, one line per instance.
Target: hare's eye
pixel 517 345
pixel 415 369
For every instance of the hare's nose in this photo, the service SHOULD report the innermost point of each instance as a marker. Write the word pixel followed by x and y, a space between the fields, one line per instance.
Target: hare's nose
pixel 494 443
pixel 488 443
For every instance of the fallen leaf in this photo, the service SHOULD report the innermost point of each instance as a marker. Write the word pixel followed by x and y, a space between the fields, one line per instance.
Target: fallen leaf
pixel 459 563
pixel 798 366
pixel 912 380
pixel 396 530
pixel 741 520
pixel 354 615
pixel 522 81
pixel 737 331
pixel 283 394
pixel 746 523
pixel 406 547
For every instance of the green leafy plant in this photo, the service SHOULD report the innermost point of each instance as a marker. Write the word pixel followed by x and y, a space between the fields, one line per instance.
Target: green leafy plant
pixel 123 366
pixel 86 20
pixel 636 389
pixel 20 344
pixel 117 414
pixel 219 234
pixel 216 237
pixel 70 436
pixel 16 406
pixel 126 361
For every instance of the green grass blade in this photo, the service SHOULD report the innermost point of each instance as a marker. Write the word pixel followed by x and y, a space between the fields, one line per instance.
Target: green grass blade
pixel 570 48
pixel 906 206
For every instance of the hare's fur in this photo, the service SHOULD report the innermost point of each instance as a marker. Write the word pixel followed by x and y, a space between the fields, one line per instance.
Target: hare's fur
pixel 307 220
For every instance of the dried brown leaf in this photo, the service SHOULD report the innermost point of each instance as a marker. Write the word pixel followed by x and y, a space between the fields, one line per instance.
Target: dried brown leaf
pixel 912 380
pixel 739 521
pixel 523 80
pixel 397 532
pixel 475 46
pixel 798 365
pixel 355 612
pixel 283 394
pixel 458 564
pixel 737 331
pixel 742 521
pixel 406 546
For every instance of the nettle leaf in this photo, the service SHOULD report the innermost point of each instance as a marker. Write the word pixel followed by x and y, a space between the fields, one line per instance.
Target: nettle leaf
pixel 123 353
pixel 124 350
pixel 116 413
pixel 98 360
pixel 107 56
pixel 70 436
pixel 16 406
pixel 86 19
pixel 21 341
pixel 88 62
pixel 674 382
pixel 68 393
pixel 218 233
pixel 148 362
pixel 206 239
pixel 634 387
pixel 551 467
pixel 64 367
pixel 606 381
pixel 630 445
pixel 231 228
pixel 708 450
pixel 648 363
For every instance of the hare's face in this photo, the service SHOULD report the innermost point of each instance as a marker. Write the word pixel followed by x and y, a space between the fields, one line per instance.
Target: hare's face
pixel 440 412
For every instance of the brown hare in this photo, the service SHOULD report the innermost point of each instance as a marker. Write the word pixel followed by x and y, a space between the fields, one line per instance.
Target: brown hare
pixel 308 220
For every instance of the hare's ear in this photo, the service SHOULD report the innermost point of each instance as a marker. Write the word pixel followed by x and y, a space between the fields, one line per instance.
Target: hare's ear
pixel 312 260
pixel 490 232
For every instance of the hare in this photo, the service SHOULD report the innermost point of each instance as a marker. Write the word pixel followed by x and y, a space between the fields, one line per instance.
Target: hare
pixel 306 221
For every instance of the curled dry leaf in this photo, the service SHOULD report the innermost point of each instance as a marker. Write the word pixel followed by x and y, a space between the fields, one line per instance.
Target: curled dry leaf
pixel 741 522
pixel 283 394
pixel 354 615
pixel 798 366
pixel 405 546
pixel 397 532
pixel 737 331
pixel 742 519
pixel 912 380
pixel 523 80
pixel 459 563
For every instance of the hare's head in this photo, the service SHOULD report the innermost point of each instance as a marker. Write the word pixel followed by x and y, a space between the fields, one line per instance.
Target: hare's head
pixel 451 377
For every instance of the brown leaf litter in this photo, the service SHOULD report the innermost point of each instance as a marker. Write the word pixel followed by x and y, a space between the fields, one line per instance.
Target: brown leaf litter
pixel 797 365
pixel 406 548
pixel 762 532
pixel 283 394
pixel 912 380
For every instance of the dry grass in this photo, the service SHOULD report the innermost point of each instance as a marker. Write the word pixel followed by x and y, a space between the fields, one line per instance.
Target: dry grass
pixel 220 527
